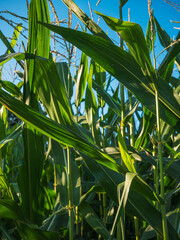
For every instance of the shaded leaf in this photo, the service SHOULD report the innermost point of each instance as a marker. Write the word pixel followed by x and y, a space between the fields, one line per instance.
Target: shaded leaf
pixel 107 98
pixel 65 76
pixel 29 176
pixel 130 113
pixel 136 204
pixel 11 136
pixel 56 131
pixel 124 67
pixel 93 220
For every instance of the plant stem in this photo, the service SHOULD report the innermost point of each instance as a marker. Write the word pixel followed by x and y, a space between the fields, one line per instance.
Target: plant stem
pixel 121 224
pixel 160 159
pixel 77 111
pixel 104 208
pixel 136 224
pixel 136 220
pixel 122 110
pixel 121 85
pixel 131 125
pixel 70 198
pixel 77 221
pixel 101 212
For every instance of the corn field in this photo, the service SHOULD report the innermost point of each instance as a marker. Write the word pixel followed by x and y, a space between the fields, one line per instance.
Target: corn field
pixel 89 128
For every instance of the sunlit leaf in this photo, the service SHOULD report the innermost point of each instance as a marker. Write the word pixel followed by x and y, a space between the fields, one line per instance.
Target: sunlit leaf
pixel 133 35
pixel 126 157
pixel 89 23
pixel 82 76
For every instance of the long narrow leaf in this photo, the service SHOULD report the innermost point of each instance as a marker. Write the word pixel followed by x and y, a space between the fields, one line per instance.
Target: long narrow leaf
pixel 10 209
pixel 124 67
pixel 136 204
pixel 29 176
pixel 9 47
pixel 133 36
pixel 93 220
pixel 89 23
pixel 81 79
pixel 56 131
pixel 69 138
pixel 11 136
pixel 126 157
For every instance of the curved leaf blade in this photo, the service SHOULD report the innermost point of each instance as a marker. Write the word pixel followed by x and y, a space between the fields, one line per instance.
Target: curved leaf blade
pixel 124 67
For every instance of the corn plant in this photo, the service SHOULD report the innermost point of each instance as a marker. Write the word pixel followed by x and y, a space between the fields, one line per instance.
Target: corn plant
pixel 81 172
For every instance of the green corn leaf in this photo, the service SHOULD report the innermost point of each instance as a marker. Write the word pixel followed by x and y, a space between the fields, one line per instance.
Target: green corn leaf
pixel 18 56
pixel 28 232
pixel 65 76
pixel 59 156
pixel 52 92
pixel 107 98
pixel 5 190
pixel 11 136
pixel 93 220
pixel 125 68
pixel 88 22
pixel 53 95
pixel 94 189
pixel 100 79
pixel 126 157
pixel 166 75
pixel 38 38
pixel 148 36
pixel 6 57
pixel 164 38
pixel 165 41
pixel 147 127
pixel 9 46
pixel 136 204
pixel 67 137
pixel 173 52
pixel 3 126
pixel 56 131
pixel 5 232
pixel 11 88
pixel 133 35
pixel 122 198
pixel 10 209
pixel 15 37
pixel 82 76
pixel 130 113
pixel 123 2
pixel 29 176
pixel 91 105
